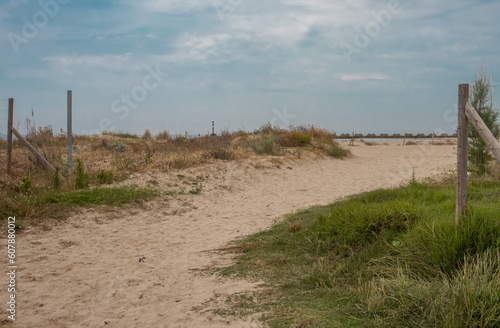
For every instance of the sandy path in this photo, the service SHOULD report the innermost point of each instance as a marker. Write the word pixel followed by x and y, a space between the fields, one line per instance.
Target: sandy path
pixel 133 267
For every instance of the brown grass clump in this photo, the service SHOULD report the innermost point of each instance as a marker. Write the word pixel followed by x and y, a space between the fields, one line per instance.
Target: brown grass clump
pixel 147 135
pixel 163 135
pixel 292 139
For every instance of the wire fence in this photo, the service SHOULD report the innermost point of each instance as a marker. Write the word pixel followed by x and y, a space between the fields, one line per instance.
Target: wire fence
pixel 4 116
pixel 484 180
pixel 478 162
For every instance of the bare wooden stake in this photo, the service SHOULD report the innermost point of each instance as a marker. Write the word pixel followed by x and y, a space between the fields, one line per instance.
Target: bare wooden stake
pixel 69 132
pixel 9 135
pixel 462 152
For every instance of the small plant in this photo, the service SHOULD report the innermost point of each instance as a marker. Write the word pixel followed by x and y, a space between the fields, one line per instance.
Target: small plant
pixel 118 147
pixel 413 178
pixel 337 152
pixel 196 189
pixel 25 185
pixel 149 158
pixel 266 145
pixel 302 138
pixel 82 178
pixel 105 177
pixel 57 180
pixel 153 182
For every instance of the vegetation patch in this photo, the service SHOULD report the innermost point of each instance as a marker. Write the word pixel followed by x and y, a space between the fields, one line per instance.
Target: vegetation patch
pixel 337 151
pixel 58 205
pixel 388 258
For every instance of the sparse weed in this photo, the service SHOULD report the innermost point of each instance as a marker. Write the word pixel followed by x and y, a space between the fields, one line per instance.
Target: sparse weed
pixel 195 190
pixel 82 178
pixel 25 185
pixel 337 151
pixel 105 177
pixel 57 179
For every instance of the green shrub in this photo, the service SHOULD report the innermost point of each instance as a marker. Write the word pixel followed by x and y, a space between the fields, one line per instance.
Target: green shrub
pixel 302 138
pixel 118 147
pixel 57 180
pixel 266 145
pixel 82 178
pixel 292 139
pixel 105 177
pixel 337 151
pixel 25 185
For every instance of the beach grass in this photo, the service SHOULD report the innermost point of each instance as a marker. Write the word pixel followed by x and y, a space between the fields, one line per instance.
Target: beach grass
pixel 52 204
pixel 387 258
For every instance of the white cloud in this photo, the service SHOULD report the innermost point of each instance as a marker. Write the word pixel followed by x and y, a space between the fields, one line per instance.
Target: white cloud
pixel 175 6
pixel 192 47
pixel 68 64
pixel 363 77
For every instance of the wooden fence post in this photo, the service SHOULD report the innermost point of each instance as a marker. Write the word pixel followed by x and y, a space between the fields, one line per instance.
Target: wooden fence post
pixel 462 152
pixel 9 135
pixel 69 133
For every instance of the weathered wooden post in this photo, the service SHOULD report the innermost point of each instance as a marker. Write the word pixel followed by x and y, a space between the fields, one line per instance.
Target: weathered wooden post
pixel 70 131
pixel 462 152
pixel 9 135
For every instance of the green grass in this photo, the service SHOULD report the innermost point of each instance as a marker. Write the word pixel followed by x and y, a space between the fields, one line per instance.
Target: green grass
pixel 388 258
pixel 124 135
pixel 53 204
pixel 337 151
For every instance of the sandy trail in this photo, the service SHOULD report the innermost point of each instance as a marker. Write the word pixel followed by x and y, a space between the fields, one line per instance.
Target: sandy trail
pixel 134 267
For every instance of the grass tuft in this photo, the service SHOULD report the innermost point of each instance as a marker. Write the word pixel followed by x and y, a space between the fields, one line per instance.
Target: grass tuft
pixel 337 151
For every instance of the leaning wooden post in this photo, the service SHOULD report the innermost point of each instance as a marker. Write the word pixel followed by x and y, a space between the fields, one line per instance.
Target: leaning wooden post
pixel 42 160
pixel 462 152
pixel 69 136
pixel 9 135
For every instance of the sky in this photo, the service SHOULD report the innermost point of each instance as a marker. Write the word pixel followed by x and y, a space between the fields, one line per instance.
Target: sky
pixel 345 65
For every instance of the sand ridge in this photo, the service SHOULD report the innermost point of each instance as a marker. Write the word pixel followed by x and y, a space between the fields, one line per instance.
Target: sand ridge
pixel 136 266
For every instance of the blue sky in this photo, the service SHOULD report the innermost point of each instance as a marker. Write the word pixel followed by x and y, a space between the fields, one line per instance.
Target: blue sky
pixel 346 65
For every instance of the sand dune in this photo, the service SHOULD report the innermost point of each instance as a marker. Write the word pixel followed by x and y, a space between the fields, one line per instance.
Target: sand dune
pixel 136 267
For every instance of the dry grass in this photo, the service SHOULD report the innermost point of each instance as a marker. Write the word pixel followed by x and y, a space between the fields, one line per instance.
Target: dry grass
pixel 147 135
pixel 122 153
